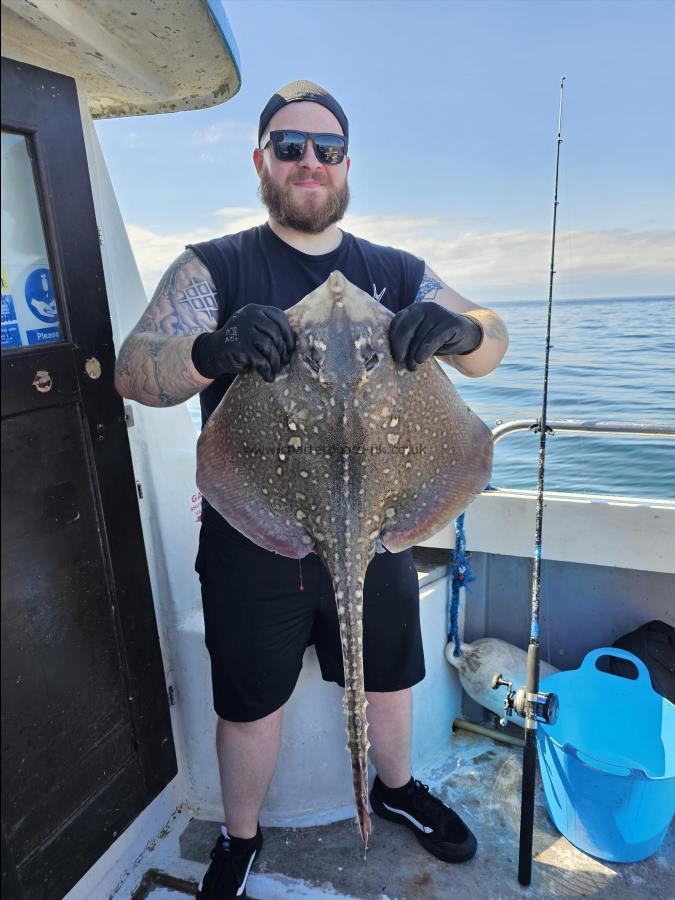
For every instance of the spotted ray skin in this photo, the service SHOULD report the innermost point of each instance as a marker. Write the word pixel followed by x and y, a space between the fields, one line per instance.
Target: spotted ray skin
pixel 344 449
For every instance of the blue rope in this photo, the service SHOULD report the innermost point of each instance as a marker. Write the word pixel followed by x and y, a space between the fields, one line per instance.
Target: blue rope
pixel 461 576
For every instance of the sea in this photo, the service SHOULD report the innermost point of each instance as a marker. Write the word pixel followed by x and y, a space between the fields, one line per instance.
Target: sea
pixel 611 359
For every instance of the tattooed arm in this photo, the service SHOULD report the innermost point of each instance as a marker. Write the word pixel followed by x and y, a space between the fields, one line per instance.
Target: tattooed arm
pixel 495 336
pixel 154 365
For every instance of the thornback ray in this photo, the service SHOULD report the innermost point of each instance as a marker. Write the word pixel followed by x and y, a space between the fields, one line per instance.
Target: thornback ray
pixel 345 452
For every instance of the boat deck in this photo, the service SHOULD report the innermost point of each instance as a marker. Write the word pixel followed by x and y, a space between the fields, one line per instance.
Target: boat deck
pixel 480 778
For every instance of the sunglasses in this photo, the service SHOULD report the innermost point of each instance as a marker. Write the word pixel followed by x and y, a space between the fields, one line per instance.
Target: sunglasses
pixel 289 146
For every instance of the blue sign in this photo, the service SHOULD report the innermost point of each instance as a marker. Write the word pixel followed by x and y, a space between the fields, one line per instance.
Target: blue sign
pixel 43 335
pixel 8 314
pixel 40 296
pixel 11 337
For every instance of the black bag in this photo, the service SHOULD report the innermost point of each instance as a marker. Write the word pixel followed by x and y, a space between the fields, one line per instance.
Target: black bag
pixel 654 644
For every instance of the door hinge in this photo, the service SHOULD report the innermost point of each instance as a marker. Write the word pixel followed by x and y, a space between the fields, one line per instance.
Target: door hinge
pixel 172 697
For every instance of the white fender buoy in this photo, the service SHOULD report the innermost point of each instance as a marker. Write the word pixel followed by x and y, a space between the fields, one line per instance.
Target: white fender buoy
pixel 481 660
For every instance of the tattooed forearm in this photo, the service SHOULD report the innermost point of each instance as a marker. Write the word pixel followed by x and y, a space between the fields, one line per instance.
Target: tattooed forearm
pixel 429 288
pixel 157 371
pixel 494 329
pixel 154 365
pixel 492 349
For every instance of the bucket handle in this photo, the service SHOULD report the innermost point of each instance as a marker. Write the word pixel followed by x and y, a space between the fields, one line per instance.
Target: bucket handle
pixel 594 763
pixel 594 655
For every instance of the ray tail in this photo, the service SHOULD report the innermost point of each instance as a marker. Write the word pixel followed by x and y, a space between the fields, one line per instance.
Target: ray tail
pixel 349 600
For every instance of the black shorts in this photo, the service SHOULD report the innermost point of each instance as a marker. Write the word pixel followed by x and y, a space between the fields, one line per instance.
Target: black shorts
pixel 259 623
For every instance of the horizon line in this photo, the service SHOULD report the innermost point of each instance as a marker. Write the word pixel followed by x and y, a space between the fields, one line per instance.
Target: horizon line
pixel 587 299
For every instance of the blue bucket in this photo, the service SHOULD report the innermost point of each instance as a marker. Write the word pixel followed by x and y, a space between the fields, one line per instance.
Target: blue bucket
pixel 608 763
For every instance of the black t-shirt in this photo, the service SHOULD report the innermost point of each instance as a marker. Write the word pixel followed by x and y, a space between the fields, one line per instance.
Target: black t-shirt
pixel 256 266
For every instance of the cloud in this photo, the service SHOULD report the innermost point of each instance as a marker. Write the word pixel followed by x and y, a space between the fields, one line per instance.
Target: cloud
pixel 483 265
pixel 514 263
pixel 228 131
pixel 133 141
pixel 222 142
pixel 239 218
pixel 155 252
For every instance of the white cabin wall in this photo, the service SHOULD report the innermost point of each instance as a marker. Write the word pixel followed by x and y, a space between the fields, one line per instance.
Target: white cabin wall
pixel 437 699
pixel 163 452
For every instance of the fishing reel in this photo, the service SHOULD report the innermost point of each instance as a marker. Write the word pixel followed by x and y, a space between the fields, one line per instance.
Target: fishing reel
pixel 544 706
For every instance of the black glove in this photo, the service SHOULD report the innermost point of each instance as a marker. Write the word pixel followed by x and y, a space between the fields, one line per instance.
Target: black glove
pixel 255 337
pixel 425 329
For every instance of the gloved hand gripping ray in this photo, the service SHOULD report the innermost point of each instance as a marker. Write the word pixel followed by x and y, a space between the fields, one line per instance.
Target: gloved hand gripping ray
pixel 344 449
pixel 255 337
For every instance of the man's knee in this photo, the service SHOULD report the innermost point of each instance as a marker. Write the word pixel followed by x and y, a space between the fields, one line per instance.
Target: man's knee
pixel 267 723
pixel 389 699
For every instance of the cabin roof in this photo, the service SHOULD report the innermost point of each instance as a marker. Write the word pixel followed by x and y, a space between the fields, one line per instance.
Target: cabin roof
pixel 131 57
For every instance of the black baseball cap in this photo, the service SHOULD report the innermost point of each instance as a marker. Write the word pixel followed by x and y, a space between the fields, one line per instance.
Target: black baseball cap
pixel 296 92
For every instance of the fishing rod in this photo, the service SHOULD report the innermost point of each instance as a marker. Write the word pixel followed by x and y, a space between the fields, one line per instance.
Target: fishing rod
pixel 529 702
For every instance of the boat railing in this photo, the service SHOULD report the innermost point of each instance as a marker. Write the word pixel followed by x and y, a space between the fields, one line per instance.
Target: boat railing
pixel 580 426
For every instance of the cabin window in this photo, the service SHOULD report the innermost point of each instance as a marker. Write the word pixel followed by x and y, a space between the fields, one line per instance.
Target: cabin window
pixel 29 309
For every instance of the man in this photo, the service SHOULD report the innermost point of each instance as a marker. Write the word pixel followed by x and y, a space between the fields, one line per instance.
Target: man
pixel 218 311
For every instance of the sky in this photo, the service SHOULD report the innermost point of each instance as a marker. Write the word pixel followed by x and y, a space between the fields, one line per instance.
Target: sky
pixel 453 110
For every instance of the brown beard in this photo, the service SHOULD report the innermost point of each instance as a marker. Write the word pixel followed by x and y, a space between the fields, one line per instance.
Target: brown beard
pixel 313 219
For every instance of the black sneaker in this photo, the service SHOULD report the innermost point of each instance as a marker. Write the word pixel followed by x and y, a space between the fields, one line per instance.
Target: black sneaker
pixel 438 829
pixel 230 865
